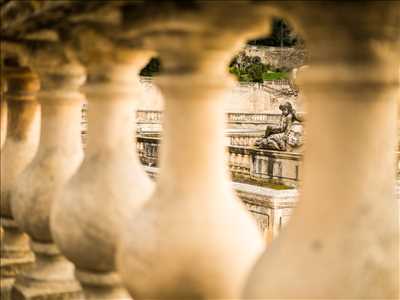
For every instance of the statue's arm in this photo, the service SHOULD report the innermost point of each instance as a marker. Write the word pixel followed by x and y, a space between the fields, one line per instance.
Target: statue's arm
pixel 287 123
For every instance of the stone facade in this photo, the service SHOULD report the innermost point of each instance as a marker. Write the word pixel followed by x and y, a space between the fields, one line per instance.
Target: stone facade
pixel 244 97
pixel 279 58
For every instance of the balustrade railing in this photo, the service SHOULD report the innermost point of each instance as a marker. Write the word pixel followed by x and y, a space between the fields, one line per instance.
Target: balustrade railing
pixel 148 150
pixel 148 116
pixel 187 235
pixel 243 138
pixel 255 118
pixel 247 161
pixel 155 116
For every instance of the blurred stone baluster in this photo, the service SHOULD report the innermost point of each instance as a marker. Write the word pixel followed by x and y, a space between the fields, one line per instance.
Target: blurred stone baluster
pixel 343 239
pixel 3 119
pixel 194 239
pixel 3 111
pixel 59 156
pixel 23 124
pixel 111 183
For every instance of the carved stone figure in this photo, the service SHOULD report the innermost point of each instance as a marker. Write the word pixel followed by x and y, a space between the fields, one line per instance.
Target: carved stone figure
pixel 279 137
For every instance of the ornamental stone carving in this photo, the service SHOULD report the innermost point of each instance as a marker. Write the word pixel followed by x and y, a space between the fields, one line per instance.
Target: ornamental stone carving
pixel 284 136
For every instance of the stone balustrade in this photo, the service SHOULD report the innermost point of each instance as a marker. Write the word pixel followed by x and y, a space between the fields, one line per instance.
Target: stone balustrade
pixel 278 57
pixel 57 159
pixel 251 120
pixel 270 208
pixel 146 118
pixel 243 138
pixel 23 124
pixel 246 161
pixel 188 235
pixel 148 150
pixel 3 113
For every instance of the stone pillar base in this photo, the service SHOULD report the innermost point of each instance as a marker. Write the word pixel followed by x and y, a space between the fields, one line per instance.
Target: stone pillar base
pixel 5 288
pixel 28 289
pixel 9 268
pixel 101 286
pixel 15 256
pixel 50 277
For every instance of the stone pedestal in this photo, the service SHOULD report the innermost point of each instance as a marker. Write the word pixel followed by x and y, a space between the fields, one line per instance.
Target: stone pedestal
pixel 46 278
pixel 3 119
pixel 193 239
pixel 58 157
pixel 342 241
pixel 23 123
pixel 16 256
pixel 102 286
pixel 110 184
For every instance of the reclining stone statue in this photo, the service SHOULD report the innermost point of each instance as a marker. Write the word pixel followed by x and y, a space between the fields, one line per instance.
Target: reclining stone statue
pixel 286 135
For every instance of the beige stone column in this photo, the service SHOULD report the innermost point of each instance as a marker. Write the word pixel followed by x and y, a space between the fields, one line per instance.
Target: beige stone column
pixel 3 119
pixel 23 125
pixel 343 239
pixel 194 239
pixel 59 155
pixel 3 112
pixel 111 184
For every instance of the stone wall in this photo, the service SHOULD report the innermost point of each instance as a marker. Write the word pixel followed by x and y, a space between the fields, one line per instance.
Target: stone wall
pixel 277 57
pixel 248 97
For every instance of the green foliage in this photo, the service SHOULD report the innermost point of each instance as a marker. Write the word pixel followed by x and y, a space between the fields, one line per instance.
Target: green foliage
pixel 275 75
pixel 282 34
pixel 256 72
pixel 268 183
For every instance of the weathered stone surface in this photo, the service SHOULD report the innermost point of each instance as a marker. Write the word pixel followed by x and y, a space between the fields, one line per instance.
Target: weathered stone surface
pixel 3 116
pixel 30 289
pixel 88 231
pixel 58 156
pixel 192 218
pixel 343 239
pixel 188 235
pixel 23 124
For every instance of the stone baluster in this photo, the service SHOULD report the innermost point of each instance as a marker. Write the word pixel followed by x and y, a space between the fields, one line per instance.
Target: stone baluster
pixel 343 238
pixel 111 184
pixel 237 162
pixel 232 161
pixel 243 163
pixel 3 127
pixel 193 225
pixel 192 208
pixel 246 163
pixel 264 166
pixel 23 125
pixel 3 112
pixel 261 166
pixel 58 157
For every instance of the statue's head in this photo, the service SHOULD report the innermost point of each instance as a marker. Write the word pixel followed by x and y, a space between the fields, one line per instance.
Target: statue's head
pixel 286 108
pixel 295 135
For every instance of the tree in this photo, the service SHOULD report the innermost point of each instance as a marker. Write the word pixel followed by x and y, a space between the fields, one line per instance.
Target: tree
pixel 282 35
pixel 152 68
